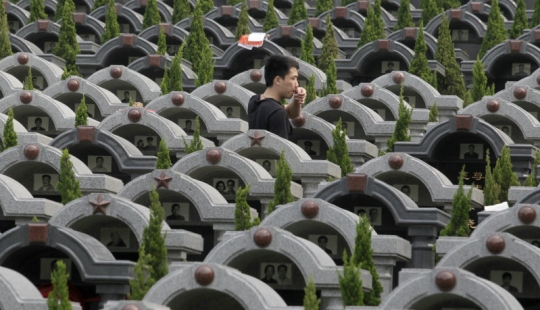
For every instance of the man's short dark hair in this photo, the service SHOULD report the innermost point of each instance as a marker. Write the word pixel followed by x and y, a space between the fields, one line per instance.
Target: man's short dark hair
pixel 149 139
pixel 231 181
pixel 98 158
pixel 282 265
pixel 308 143
pixel 321 238
pixel 45 176
pixel 38 119
pixel 507 275
pixel 188 122
pixel 278 65
pixel 175 206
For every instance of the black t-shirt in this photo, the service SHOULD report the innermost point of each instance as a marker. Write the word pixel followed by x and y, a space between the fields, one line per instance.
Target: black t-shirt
pixel 268 114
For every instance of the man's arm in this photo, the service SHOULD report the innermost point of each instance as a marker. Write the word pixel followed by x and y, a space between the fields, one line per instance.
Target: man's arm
pixel 294 108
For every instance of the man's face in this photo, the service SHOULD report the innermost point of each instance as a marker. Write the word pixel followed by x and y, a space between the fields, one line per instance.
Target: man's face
pixel 269 271
pixel 322 243
pixel 175 209
pixel 38 122
pixel 266 165
pixel 373 214
pixel 282 272
pixel 406 190
pixel 287 87
pixel 507 280
pixel 46 180
pixel 229 112
pixel 126 94
pixel 99 161
pixel 471 148
pixel 188 125
pixel 230 185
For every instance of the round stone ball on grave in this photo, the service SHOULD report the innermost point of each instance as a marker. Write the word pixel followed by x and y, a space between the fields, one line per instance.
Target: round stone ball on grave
pixel 493 105
pixel 204 275
pixel 73 85
pixel 134 115
pixel 131 307
pixel 334 102
pixel 527 214
pixel 495 244
pixel 26 97
pixel 220 87
pixel 366 90
pixel 395 161
pixel 299 121
pixel 213 156
pixel 177 99
pixel 310 209
pixel 520 92
pixel 22 59
pixel 262 237
pixel 31 151
pixel 255 75
pixel 445 281
pixel 398 77
pixel 116 72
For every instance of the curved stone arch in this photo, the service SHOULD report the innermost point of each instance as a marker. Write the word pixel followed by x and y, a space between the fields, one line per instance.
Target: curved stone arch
pixel 147 88
pixel 222 34
pixel 402 35
pixel 361 56
pixel 105 100
pixel 20 45
pixel 210 204
pixel 509 5
pixel 484 293
pixel 230 54
pixel 170 30
pixel 248 291
pixel 426 146
pixel 371 122
pixel 503 49
pixel 164 10
pixel 389 20
pixel 217 12
pixel 531 197
pixel 441 189
pixel 250 82
pixel 317 125
pixel 17 127
pixel 21 14
pixel 527 124
pixel 307 256
pixel 214 119
pixel 532 95
pixel 340 220
pixel 89 21
pixel 128 157
pixel 93 260
pixel 505 220
pixel 297 34
pixel 532 81
pixel 34 27
pixel 103 53
pixel 466 17
pixel 49 4
pixel 17 202
pixel 403 209
pixel 9 84
pixel 380 94
pixel 262 183
pixel 62 117
pixel 167 130
pixel 133 17
pixel 18 293
pixel 146 62
pixel 51 72
pixel 234 91
pixel 475 249
pixel 421 87
pixel 350 15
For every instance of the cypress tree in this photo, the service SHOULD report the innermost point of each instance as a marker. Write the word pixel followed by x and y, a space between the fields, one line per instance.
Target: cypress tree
pixel 5 43
pixel 112 28
pixel 468 99
pixel 165 82
pixel 175 73
pixel 28 81
pixel 242 215
pixel 419 63
pixel 142 281
pixel 59 297
pixel 282 184
pixel 503 174
pixel 233 2
pixel 452 83
pixel 153 241
pixel 363 256
pixel 59 9
pixel 433 113
pixel 10 136
pixel 401 131
pixel 345 2
pixel 323 6
pixel 196 143
pixel 162 41
pixel 311 302
pixel 459 220
pixel 37 11
pixel 496 33
pixel 373 26
pixel 330 48
pixel 535 18
pixel 311 92
pixel 99 3
pixel 350 283
pixel 532 178
pixel 331 76
pixel 68 185
pixel 429 10
pixel 67 47
pixel 404 16
pixel 131 103
pixel 151 15
pixel 181 10
pixel 491 188
pixel 81 114
pixel 378 21
pixel 298 12
pixel 242 26
pixel 270 19
pixel 520 20
pixel 163 158
pixel 206 5
pixel 478 90
pixel 339 152
pixel 307 47
pixel 449 4
pixel 198 49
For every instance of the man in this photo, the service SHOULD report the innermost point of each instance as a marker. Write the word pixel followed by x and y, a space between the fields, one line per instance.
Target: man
pixel 323 242
pixel 126 97
pixel 187 128
pixel 361 212
pixel 405 189
pixel 266 111
pixel 116 240
pixel 150 143
pixel 521 71
pixel 35 83
pixel 11 27
pixel 373 215
pixel 99 165
pixel 389 67
pixel 230 188
pixel 267 165
pixel 269 272
pixel 471 154
pixel 282 275
pixel 229 112
pixel 507 280
pixel 51 48
pixel 46 183
pixel 307 147
pixel 37 127
pixel 175 216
